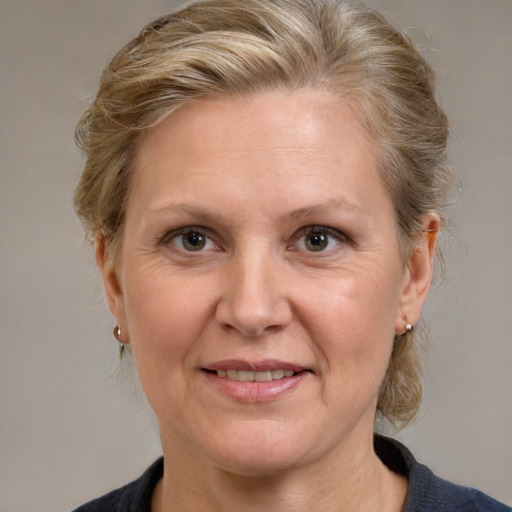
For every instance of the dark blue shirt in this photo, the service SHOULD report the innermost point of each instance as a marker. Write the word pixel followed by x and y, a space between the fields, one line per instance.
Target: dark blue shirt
pixel 427 492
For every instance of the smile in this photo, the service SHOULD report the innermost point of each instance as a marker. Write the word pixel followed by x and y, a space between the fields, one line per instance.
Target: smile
pixel 259 381
pixel 249 376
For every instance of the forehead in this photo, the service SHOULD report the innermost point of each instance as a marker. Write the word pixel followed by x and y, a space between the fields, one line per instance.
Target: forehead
pixel 308 120
pixel 299 143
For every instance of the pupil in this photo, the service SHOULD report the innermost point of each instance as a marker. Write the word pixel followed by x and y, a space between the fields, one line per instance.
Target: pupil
pixel 193 241
pixel 316 242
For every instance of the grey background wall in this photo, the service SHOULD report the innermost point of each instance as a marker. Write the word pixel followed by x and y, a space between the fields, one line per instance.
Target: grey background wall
pixel 71 426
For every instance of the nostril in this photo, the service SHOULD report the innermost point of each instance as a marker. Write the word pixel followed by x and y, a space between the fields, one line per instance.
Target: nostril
pixel 250 322
pixel 252 302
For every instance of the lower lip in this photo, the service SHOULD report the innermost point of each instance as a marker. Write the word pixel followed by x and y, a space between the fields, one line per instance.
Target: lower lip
pixel 256 391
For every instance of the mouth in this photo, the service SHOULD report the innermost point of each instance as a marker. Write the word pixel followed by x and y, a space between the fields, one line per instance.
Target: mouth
pixel 255 381
pixel 254 376
pixel 260 371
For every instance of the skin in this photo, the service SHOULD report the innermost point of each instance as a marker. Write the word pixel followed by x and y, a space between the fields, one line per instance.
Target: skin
pixel 255 174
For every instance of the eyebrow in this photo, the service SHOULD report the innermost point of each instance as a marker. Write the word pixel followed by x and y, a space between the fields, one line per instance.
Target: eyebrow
pixel 189 210
pixel 203 214
pixel 334 204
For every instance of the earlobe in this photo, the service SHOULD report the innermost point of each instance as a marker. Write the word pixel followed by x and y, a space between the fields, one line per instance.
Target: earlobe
pixel 418 274
pixel 113 292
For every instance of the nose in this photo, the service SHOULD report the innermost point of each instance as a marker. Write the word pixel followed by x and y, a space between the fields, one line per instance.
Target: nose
pixel 253 301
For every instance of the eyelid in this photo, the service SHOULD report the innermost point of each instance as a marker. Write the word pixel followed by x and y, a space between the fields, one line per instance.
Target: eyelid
pixel 168 236
pixel 336 234
pixel 314 228
pixel 172 233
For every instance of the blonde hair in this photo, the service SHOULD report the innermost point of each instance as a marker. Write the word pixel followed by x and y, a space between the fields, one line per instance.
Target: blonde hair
pixel 218 48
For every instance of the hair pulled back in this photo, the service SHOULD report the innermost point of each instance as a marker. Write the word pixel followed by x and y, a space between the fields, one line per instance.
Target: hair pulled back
pixel 216 48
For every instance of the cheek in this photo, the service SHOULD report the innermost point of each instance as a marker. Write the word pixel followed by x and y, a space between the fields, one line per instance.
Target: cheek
pixel 166 317
pixel 165 314
pixel 352 320
pixel 355 303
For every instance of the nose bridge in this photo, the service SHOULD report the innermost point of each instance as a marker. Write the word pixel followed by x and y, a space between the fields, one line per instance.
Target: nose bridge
pixel 253 300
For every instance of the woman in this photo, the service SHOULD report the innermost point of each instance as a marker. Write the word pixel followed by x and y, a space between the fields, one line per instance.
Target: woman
pixel 265 183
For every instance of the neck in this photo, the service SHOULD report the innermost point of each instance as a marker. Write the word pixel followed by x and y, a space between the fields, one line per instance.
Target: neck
pixel 355 480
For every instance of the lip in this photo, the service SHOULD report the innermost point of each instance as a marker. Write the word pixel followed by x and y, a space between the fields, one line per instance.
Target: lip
pixel 253 392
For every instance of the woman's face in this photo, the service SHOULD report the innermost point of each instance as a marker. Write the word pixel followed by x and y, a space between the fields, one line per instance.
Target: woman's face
pixel 260 281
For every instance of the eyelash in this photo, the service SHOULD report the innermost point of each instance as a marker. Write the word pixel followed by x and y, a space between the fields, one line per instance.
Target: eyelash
pixel 330 233
pixel 321 231
pixel 169 237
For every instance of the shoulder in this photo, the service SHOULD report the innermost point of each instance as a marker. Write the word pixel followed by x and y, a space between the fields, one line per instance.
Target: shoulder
pixel 437 494
pixel 428 492
pixel 132 497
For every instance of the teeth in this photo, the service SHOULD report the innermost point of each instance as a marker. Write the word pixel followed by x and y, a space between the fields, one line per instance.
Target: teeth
pixel 263 376
pixel 248 376
pixel 245 376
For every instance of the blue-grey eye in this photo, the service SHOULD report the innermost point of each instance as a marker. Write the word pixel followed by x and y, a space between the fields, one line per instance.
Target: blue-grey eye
pixel 192 241
pixel 316 241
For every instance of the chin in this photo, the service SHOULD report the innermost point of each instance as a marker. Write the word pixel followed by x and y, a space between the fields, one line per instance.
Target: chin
pixel 262 451
pixel 260 463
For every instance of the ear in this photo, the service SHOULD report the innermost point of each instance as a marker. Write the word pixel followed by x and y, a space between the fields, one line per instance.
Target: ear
pixel 113 292
pixel 418 273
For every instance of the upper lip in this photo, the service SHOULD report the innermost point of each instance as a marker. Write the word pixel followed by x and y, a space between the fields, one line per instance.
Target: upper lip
pixel 254 366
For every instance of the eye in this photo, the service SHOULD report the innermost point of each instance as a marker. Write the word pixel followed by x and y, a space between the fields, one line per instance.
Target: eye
pixel 191 240
pixel 319 239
